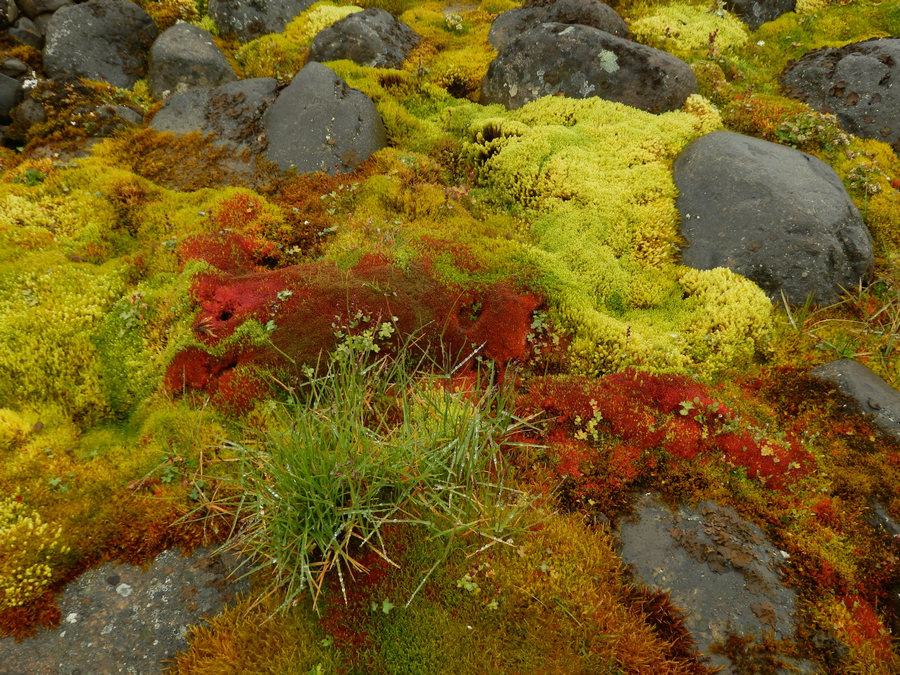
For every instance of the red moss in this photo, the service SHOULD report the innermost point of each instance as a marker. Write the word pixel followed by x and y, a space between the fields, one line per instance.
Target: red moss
pixel 22 622
pixel 305 304
pixel 239 390
pixel 670 412
pixel 866 627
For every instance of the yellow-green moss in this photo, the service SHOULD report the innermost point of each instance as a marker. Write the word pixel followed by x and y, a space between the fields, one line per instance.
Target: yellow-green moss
pixel 682 29
pixel 281 55
pixel 28 549
pixel 12 429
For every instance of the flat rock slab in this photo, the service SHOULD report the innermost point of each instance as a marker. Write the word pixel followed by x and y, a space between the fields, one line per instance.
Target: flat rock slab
pixel 580 62
pixel 874 397
pixel 859 83
pixel 122 619
pixel 776 215
pixel 718 567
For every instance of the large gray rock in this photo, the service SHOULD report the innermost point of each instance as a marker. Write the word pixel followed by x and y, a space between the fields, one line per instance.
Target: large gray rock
pixel 718 567
pixel 318 123
pixel 510 25
pixel 373 38
pixel 874 397
pixel 859 83
pixel 580 62
pixel 106 40
pixel 755 13
pixel 232 112
pixel 185 57
pixel 249 20
pixel 778 216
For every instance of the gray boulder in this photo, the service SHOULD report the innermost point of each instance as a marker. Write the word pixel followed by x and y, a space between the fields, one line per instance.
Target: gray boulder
pixel 9 12
pixel 232 112
pixel 106 40
pixel 580 62
pixel 185 57
pixel 778 216
pixel 874 397
pixel 859 83
pixel 318 123
pixel 34 8
pixel 718 567
pixel 373 38
pixel 510 25
pixel 249 20
pixel 755 13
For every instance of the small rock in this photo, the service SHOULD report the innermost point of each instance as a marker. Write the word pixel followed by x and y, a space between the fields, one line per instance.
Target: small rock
pixel 373 38
pixel 26 33
pixel 859 83
pixel 13 68
pixel 10 95
pixel 874 397
pixel 510 25
pixel 755 13
pixel 249 20
pixel 185 57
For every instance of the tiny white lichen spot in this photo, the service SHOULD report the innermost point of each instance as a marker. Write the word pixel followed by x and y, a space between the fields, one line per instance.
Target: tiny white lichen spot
pixel 608 61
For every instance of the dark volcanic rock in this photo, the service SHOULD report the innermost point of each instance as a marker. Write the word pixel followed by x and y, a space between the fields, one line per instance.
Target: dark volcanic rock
pixel 874 397
pixel 372 38
pixel 718 567
pixel 124 619
pixel 859 83
pixel 580 62
pixel 755 13
pixel 249 20
pixel 510 25
pixel 25 32
pixel 185 57
pixel 105 40
pixel 318 123
pixel 9 12
pixel 778 216
pixel 232 112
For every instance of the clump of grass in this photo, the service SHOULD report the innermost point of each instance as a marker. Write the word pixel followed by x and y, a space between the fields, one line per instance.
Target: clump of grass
pixel 374 440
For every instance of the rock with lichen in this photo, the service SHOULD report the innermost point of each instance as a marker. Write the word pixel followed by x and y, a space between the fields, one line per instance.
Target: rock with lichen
pixel 579 62
pixel 370 38
pixel 185 57
pixel 857 82
pixel 106 40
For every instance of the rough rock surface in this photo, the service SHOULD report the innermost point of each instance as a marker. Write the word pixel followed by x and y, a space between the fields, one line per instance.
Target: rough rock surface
pixel 510 25
pixel 232 112
pixel 373 38
pixel 119 618
pixel 859 83
pixel 185 57
pixel 319 123
pixel 35 8
pixel 10 94
pixel 102 40
pixel 778 216
pixel 874 397
pixel 755 13
pixel 249 20
pixel 717 566
pixel 580 62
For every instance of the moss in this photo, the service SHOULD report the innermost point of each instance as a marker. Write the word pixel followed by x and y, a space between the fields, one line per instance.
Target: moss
pixel 28 548
pixel 682 29
pixel 12 429
pixel 282 55
pixel 166 13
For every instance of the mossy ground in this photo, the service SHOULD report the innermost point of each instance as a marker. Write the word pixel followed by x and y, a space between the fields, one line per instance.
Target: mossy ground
pixel 152 302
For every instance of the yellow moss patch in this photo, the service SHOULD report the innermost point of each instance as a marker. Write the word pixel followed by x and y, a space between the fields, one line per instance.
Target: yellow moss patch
pixel 12 429
pixel 681 29
pixel 28 548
